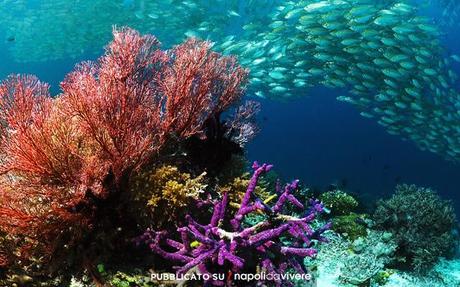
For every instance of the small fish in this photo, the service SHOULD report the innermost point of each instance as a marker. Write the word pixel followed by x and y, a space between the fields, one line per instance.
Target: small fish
pixel 233 13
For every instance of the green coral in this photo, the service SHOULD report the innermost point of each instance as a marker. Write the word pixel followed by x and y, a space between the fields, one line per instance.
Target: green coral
pixel 114 277
pixel 351 226
pixel 382 277
pixel 339 202
pixel 422 224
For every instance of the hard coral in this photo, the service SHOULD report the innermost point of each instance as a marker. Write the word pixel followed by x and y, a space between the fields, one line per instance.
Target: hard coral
pixel 236 189
pixel 350 226
pixel 338 202
pixel 369 256
pixel 422 224
pixel 66 160
pixel 175 186
pixel 224 244
pixel 164 193
pixel 357 263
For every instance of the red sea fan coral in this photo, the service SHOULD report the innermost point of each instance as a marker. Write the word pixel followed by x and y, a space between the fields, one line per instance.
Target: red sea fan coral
pixel 42 165
pixel 199 83
pixel 116 101
pixel 32 142
pixel 64 158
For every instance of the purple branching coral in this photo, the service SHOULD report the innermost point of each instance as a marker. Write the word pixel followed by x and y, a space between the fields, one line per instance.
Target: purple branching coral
pixel 227 245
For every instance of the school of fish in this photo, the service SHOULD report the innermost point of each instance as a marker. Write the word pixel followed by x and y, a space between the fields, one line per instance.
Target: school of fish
pixel 46 30
pixel 384 56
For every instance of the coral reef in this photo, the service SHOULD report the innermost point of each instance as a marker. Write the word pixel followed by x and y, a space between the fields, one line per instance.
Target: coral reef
pixel 361 262
pixel 236 189
pixel 225 244
pixel 166 192
pixel 67 160
pixel 368 258
pixel 175 187
pixel 422 224
pixel 341 208
pixel 338 202
pixel 351 226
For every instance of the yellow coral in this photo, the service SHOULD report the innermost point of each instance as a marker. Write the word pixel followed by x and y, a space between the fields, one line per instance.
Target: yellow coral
pixel 237 188
pixel 174 187
pixel 166 191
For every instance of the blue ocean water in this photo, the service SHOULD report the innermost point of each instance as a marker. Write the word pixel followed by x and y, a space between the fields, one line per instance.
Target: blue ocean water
pixel 325 142
pixel 317 139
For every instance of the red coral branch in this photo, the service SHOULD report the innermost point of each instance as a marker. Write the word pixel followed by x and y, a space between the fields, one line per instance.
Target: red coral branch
pixel 36 139
pixel 116 101
pixel 199 83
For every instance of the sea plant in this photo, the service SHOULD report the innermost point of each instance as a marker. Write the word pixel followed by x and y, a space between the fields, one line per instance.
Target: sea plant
pixel 226 245
pixel 422 224
pixel 67 160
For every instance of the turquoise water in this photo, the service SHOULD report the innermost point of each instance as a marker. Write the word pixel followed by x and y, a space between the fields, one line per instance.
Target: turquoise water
pixel 356 95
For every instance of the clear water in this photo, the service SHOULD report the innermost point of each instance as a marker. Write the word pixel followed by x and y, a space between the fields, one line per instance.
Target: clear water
pixel 305 132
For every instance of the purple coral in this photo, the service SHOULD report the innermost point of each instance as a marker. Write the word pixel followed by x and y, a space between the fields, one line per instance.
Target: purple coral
pixel 233 247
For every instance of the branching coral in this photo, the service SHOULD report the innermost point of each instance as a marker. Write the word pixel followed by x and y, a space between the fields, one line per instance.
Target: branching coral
pixel 66 160
pixel 236 189
pixel 422 224
pixel 175 186
pixel 339 202
pixel 163 193
pixel 224 244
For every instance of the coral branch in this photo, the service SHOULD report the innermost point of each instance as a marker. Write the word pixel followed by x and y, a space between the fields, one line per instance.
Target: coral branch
pixel 243 247
pixel 199 83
